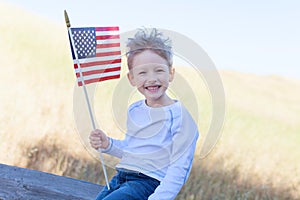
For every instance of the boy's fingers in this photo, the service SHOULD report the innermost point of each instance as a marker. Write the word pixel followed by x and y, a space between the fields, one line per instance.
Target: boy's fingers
pixel 97 138
pixel 92 139
pixel 95 133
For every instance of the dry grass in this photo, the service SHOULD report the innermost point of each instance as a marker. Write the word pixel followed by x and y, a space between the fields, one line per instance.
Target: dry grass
pixel 257 156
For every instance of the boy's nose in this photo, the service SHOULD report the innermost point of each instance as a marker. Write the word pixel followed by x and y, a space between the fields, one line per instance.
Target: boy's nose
pixel 151 77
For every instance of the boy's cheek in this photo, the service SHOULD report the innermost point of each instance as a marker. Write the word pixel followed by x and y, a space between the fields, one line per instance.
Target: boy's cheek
pixel 139 85
pixel 139 82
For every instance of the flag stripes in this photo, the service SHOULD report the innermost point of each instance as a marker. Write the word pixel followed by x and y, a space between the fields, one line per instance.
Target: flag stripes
pixel 96 70
pixel 97 62
pixel 109 49
pixel 107 37
pixel 108 28
pixel 107 45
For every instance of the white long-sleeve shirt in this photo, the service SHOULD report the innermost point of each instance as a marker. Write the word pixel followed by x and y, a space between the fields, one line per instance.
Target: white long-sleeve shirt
pixel 160 142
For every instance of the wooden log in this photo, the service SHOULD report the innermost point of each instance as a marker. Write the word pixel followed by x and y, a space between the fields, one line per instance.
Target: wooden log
pixel 21 183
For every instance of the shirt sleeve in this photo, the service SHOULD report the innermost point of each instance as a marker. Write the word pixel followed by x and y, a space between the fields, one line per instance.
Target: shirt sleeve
pixel 176 176
pixel 115 147
pixel 184 145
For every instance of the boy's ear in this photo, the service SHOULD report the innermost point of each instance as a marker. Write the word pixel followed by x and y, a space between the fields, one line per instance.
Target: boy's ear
pixel 131 79
pixel 172 74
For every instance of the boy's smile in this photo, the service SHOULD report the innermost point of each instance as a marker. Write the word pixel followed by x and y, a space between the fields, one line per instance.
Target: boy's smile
pixel 153 89
pixel 151 75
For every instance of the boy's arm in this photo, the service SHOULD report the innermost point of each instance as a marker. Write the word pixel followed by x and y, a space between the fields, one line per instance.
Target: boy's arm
pixel 115 147
pixel 177 174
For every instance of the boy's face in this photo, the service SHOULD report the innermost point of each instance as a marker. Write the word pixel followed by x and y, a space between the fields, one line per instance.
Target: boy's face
pixel 151 75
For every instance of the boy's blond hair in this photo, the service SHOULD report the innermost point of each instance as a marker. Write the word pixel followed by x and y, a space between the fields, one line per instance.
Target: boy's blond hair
pixel 149 39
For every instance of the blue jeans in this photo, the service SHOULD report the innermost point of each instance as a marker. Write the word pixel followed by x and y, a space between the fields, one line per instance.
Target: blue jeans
pixel 129 185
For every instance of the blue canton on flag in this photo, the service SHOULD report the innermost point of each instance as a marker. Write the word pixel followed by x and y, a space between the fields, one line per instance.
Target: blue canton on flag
pixel 85 42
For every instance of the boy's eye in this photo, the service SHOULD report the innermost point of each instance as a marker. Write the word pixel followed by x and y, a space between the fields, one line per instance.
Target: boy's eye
pixel 141 73
pixel 160 70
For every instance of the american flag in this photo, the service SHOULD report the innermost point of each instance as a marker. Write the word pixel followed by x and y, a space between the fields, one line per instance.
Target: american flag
pixel 99 53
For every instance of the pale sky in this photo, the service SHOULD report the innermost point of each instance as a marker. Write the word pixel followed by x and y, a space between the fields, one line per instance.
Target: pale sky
pixel 258 36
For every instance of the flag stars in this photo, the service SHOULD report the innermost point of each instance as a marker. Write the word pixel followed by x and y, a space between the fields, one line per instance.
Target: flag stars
pixel 85 43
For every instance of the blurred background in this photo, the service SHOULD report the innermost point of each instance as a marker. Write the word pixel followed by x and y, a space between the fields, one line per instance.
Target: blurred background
pixel 254 46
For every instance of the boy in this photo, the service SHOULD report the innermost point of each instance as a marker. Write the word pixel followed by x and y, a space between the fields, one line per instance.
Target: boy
pixel 157 152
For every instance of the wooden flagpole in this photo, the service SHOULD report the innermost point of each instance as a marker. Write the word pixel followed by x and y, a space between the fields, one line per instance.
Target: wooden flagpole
pixel 85 92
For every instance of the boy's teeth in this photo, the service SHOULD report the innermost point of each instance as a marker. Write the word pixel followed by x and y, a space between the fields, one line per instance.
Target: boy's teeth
pixel 152 87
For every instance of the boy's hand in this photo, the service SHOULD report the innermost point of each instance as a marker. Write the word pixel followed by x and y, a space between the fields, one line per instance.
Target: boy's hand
pixel 98 139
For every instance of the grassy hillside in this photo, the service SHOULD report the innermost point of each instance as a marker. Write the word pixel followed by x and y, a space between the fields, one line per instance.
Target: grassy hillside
pixel 257 156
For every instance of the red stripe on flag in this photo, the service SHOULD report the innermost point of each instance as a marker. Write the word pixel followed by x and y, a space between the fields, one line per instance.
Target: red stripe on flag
pixel 100 71
pixel 107 45
pixel 112 28
pixel 99 79
pixel 112 53
pixel 107 37
pixel 105 62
